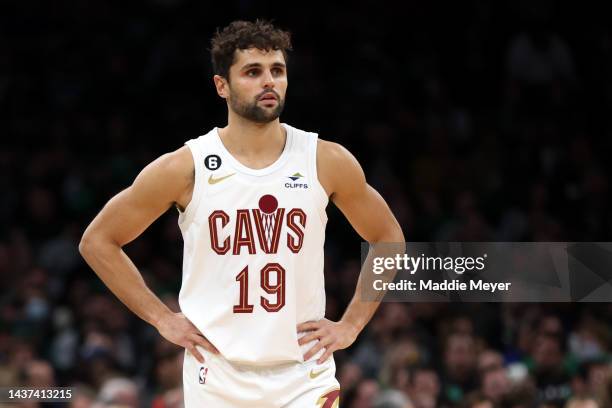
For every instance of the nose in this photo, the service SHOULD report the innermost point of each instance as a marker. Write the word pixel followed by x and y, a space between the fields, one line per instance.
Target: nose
pixel 268 79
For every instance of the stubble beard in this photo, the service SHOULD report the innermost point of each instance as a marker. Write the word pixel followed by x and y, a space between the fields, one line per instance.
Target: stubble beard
pixel 254 112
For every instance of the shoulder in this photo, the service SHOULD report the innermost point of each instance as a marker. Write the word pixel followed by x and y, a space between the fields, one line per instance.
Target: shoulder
pixel 337 167
pixel 174 167
pixel 170 176
pixel 175 163
pixel 334 153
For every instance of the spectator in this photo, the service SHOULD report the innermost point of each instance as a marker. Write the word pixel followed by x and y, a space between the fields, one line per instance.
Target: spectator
pixel 495 384
pixel 552 378
pixel 119 391
pixel 459 367
pixel 424 390
pixel 391 399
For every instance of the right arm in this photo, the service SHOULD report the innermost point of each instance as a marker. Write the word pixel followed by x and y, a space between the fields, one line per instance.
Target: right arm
pixel 165 182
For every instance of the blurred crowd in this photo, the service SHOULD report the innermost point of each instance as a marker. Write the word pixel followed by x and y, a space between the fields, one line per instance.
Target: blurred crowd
pixel 477 121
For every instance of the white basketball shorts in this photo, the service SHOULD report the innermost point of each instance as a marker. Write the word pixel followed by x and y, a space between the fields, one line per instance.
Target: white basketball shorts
pixel 219 383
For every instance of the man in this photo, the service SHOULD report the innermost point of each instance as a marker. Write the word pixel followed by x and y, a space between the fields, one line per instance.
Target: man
pixel 459 376
pixel 252 199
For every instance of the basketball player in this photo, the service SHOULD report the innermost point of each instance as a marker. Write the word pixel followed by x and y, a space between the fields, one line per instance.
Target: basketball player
pixel 251 198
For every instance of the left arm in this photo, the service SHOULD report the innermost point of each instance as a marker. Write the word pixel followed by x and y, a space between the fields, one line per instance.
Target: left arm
pixel 368 213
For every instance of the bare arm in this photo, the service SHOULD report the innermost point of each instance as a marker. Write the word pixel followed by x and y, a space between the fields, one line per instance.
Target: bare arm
pixel 165 182
pixel 371 217
pixel 343 178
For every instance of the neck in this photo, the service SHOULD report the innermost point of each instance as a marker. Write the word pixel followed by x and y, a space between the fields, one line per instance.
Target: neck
pixel 246 138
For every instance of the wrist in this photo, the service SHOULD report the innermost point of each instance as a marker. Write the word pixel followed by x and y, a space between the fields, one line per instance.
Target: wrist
pixel 354 329
pixel 157 319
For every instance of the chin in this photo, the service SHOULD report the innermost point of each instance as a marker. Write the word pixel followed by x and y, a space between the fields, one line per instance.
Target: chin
pixel 266 120
pixel 268 116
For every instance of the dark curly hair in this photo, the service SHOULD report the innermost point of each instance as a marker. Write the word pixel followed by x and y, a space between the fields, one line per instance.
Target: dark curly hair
pixel 242 35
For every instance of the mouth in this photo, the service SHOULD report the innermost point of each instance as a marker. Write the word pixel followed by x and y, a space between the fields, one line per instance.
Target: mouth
pixel 268 97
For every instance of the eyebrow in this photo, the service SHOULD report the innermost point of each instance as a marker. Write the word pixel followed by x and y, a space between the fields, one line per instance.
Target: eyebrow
pixel 259 65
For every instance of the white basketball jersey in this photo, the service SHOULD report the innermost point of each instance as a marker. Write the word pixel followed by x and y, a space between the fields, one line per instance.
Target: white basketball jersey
pixel 253 255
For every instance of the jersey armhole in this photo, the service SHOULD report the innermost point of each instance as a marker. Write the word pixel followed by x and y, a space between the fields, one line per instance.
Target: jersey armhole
pixel 320 192
pixel 187 216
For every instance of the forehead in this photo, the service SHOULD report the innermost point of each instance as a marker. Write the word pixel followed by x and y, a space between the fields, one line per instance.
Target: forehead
pixel 257 56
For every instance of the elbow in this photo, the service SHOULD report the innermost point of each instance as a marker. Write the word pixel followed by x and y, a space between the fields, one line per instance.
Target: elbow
pixel 93 243
pixel 88 245
pixel 394 233
pixel 85 245
pixel 399 233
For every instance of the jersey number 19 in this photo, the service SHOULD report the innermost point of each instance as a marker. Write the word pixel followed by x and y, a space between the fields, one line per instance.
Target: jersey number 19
pixel 277 289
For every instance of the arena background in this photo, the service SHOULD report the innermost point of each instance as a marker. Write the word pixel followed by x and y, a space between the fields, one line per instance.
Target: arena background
pixel 477 122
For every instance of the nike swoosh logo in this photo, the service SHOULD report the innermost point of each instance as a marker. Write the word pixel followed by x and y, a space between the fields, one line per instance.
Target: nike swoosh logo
pixel 212 180
pixel 314 375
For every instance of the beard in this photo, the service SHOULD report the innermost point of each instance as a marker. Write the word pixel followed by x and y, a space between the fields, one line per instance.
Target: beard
pixel 252 111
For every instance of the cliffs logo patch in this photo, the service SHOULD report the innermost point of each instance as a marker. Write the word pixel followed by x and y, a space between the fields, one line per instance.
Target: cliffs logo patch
pixel 296 177
pixel 297 181
pixel 202 375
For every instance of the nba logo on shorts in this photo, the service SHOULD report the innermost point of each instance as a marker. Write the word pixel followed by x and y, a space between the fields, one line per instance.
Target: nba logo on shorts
pixel 202 375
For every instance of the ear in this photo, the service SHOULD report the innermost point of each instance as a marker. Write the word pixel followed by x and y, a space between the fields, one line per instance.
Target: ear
pixel 222 86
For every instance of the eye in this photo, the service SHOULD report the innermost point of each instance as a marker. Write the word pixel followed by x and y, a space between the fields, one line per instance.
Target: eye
pixel 252 72
pixel 277 71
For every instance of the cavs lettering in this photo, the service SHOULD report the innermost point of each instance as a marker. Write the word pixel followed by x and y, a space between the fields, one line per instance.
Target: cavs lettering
pixel 258 229
pixel 264 225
